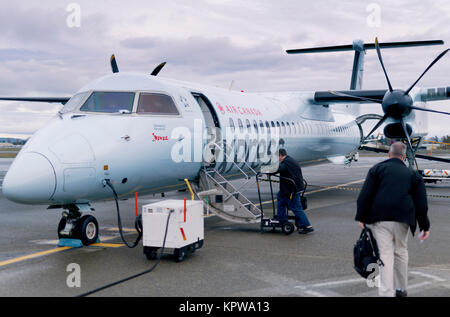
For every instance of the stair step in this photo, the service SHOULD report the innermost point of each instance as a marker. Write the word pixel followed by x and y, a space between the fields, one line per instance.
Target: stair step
pixel 233 205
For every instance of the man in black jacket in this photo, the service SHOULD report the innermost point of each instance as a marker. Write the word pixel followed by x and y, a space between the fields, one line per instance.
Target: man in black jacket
pixel 291 184
pixel 393 200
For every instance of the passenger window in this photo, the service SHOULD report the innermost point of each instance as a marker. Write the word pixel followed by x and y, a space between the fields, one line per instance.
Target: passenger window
pixel 232 125
pixel 294 129
pixel 283 128
pixel 157 104
pixel 249 126
pixel 255 124
pixel 241 126
pixel 109 102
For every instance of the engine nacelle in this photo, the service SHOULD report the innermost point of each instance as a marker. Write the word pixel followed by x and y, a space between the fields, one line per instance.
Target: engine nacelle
pixel 395 130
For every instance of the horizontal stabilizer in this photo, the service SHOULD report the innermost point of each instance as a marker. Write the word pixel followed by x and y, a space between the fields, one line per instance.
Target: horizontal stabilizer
pixel 369 46
pixel 326 97
pixel 62 100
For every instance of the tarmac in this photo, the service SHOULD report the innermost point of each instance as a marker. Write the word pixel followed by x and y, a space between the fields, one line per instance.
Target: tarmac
pixel 236 260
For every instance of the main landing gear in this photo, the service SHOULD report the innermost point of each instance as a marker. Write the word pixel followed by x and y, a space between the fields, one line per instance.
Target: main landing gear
pixel 75 226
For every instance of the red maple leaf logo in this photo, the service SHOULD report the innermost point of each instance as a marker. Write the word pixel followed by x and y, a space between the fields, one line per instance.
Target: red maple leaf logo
pixel 220 108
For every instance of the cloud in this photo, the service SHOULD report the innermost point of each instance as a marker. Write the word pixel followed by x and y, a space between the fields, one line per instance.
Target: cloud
pixel 211 42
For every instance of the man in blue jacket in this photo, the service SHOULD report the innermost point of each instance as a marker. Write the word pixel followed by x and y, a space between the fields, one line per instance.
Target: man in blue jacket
pixel 393 200
pixel 291 184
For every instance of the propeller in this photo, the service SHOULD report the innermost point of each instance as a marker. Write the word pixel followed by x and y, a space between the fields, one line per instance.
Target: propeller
pixel 115 68
pixel 113 62
pixel 396 103
pixel 158 68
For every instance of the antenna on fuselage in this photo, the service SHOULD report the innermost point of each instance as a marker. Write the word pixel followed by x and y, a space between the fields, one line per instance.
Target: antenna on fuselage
pixel 231 85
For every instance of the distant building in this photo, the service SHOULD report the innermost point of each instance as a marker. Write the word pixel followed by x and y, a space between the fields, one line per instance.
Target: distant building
pixel 7 145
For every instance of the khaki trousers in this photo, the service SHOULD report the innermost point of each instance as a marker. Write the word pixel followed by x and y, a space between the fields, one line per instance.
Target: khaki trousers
pixel 392 240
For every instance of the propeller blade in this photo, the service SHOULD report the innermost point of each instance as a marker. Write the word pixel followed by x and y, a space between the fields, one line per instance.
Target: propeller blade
pixel 377 125
pixel 113 62
pixel 426 70
pixel 158 68
pixel 377 46
pixel 355 97
pixel 407 135
pixel 429 110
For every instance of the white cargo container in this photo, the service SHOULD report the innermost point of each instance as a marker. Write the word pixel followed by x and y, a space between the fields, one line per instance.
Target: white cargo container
pixel 185 233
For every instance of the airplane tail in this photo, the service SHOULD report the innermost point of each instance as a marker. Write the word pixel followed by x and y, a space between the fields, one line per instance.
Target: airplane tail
pixel 358 62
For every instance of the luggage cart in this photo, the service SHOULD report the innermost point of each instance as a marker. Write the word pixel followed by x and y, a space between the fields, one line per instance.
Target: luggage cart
pixel 286 227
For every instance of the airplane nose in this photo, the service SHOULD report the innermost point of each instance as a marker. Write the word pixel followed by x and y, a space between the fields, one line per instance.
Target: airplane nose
pixel 30 179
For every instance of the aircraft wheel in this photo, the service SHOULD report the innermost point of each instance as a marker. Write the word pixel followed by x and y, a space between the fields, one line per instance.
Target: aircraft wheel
pixel 88 229
pixel 61 226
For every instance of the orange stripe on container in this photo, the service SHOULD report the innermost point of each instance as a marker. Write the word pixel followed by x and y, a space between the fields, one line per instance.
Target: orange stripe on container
pixel 182 233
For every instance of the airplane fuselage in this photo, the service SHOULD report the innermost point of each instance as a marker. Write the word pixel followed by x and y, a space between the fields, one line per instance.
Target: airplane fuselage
pixel 67 161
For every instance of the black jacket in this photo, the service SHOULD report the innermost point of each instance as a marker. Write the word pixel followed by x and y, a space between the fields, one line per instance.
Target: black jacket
pixel 393 192
pixel 291 178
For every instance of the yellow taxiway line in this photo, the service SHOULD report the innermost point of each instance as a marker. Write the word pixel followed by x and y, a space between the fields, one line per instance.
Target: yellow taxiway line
pixel 33 255
pixel 59 249
pixel 320 190
pixel 118 245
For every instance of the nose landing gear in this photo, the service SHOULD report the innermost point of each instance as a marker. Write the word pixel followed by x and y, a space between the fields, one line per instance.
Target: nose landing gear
pixel 75 226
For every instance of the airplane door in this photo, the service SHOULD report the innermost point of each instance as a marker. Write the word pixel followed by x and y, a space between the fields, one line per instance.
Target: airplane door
pixel 213 132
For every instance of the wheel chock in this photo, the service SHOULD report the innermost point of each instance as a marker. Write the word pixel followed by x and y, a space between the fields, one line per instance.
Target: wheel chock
pixel 73 243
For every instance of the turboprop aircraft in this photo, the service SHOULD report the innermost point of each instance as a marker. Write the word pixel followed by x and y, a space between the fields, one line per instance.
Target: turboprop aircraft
pixel 143 133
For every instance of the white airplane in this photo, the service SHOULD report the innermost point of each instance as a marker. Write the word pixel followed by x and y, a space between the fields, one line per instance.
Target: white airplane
pixel 146 134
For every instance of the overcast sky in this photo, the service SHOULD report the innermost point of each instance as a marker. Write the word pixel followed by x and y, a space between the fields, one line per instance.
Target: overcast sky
pixel 44 53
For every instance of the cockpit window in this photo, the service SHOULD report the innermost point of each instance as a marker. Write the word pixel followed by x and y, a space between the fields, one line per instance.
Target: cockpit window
pixel 109 102
pixel 73 102
pixel 157 104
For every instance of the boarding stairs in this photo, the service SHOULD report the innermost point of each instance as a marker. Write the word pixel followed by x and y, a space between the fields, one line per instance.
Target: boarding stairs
pixel 224 199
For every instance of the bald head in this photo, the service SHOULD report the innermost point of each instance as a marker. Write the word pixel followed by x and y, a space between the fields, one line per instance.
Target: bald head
pixel 398 150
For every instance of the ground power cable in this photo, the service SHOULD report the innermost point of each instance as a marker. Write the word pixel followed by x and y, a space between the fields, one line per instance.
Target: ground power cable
pixel 130 246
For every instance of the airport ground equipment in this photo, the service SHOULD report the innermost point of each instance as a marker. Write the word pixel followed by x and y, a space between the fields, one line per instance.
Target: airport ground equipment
pixel 435 175
pixel 225 200
pixel 286 227
pixel 185 232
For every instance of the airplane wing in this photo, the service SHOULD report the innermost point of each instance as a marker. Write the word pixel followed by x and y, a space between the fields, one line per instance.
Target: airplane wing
pixel 62 100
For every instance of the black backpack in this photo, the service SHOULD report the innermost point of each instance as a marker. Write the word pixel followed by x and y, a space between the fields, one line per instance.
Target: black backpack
pixel 365 252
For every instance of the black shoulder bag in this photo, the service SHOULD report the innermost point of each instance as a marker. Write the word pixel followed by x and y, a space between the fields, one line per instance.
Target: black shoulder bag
pixel 365 252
